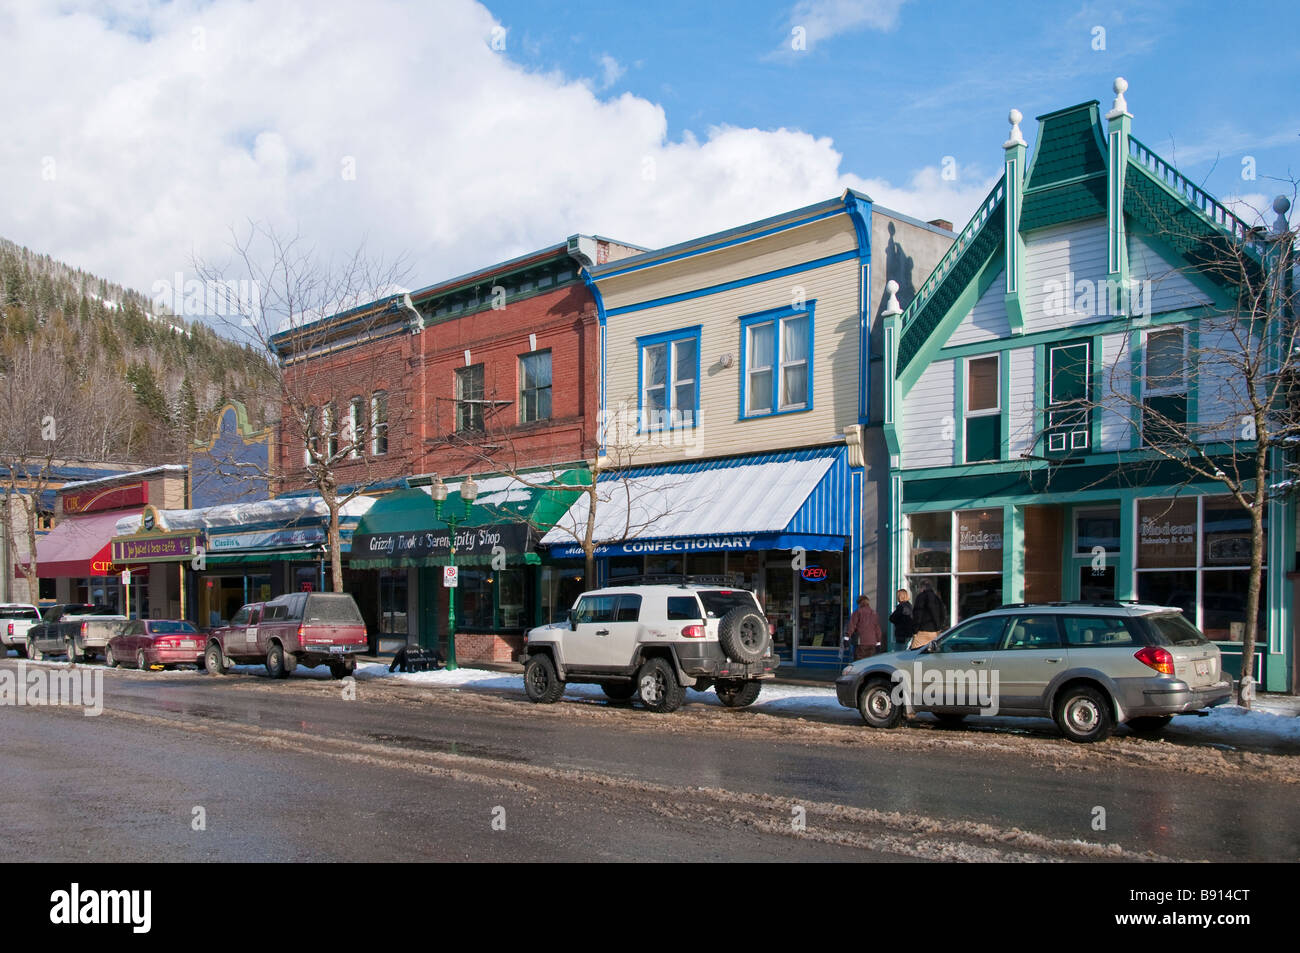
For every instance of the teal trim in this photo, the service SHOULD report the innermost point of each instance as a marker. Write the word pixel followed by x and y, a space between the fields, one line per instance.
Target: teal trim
pixel 1126 559
pixel 738 283
pixel 932 348
pixel 959 411
pixel 1004 407
pixel 1098 372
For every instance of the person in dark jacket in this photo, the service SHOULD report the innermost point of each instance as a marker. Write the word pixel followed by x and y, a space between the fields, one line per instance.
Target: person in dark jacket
pixel 901 619
pixel 929 615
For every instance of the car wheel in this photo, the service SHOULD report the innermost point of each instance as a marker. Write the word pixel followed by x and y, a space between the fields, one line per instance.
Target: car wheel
pixel 658 686
pixel 341 669
pixel 1084 715
pixel 275 666
pixel 1150 724
pixel 541 683
pixel 70 648
pixel 739 694
pixel 35 654
pixel 109 660
pixel 618 691
pixel 877 705
pixel 213 661
pixel 743 635
pixel 950 719
pixel 141 662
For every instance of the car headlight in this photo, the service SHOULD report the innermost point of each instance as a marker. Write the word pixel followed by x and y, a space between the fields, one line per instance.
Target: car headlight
pixel 848 670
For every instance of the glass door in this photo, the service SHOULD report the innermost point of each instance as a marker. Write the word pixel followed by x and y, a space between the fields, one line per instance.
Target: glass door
pixel 779 606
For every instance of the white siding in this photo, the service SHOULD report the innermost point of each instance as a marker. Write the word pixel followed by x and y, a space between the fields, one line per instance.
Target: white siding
pixel 926 437
pixel 1116 376
pixel 1056 260
pixel 1169 289
pixel 1020 402
pixel 987 321
pixel 1221 397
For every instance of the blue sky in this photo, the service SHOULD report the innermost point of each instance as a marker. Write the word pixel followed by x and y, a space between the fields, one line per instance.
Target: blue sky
pixel 909 83
pixel 453 134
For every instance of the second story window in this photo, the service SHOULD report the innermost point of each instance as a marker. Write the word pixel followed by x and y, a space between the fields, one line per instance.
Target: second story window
pixel 670 379
pixel 379 423
pixel 356 427
pixel 469 398
pixel 330 428
pixel 1164 386
pixel 777 374
pixel 983 433
pixel 535 387
pixel 311 437
pixel 1068 390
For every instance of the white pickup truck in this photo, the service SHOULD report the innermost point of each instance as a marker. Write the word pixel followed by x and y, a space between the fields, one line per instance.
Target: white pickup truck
pixel 15 619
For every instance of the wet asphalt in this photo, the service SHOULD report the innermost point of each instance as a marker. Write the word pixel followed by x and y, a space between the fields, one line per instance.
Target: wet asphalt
pixel 191 767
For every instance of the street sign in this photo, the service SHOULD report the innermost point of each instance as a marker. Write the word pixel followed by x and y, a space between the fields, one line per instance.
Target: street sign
pixel 450 576
pixel 126 577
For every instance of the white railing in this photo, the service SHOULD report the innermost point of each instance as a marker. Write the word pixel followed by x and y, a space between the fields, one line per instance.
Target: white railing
pixel 1176 182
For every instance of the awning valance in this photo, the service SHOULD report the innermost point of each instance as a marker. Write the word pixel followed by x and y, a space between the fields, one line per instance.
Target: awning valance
pixel 768 501
pixel 406 528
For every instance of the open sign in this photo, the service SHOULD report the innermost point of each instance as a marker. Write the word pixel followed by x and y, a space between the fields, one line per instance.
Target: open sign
pixel 813 573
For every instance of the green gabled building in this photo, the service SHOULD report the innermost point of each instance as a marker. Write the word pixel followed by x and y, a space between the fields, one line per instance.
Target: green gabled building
pixel 1023 380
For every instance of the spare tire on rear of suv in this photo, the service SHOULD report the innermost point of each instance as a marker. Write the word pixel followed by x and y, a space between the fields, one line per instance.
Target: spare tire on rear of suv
pixel 743 635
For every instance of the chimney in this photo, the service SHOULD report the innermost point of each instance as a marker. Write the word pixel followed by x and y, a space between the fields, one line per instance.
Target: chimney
pixel 941 223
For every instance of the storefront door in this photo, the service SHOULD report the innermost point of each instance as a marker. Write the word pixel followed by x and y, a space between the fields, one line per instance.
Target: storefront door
pixel 780 607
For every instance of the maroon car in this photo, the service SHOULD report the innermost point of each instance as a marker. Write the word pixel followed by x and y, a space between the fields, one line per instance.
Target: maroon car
pixel 146 643
pixel 299 628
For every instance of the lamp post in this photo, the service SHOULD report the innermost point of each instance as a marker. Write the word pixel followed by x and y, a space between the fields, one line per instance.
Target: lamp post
pixel 468 490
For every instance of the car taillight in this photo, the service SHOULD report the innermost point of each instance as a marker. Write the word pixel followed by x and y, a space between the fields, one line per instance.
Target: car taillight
pixel 84 627
pixel 11 628
pixel 1156 658
pixel 301 630
pixel 693 631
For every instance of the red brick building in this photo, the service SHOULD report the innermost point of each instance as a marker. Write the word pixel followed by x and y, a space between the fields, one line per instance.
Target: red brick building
pixel 490 372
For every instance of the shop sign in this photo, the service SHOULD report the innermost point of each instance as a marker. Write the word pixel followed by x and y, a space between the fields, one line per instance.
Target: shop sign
pixel 513 538
pixel 268 539
pixel 114 498
pixel 814 574
pixel 159 548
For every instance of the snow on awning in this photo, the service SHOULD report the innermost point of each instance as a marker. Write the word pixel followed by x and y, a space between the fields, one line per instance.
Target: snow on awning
pixel 767 501
pixel 78 546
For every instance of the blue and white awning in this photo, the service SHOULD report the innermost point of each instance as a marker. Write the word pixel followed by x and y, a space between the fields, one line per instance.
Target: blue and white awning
pixel 768 501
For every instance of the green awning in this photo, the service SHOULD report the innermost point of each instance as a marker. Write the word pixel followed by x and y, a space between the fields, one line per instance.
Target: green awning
pixel 407 528
pixel 270 556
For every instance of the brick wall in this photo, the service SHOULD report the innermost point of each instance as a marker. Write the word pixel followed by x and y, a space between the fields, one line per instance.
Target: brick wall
pixel 482 647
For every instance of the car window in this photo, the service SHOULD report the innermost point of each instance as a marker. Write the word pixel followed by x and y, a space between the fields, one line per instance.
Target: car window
pixel 683 607
pixel 241 617
pixel 977 635
pixel 170 628
pixel 1172 628
pixel 1033 632
pixel 718 602
pixel 18 612
pixel 594 609
pixel 255 615
pixel 274 611
pixel 629 608
pixel 1097 632
pixel 332 608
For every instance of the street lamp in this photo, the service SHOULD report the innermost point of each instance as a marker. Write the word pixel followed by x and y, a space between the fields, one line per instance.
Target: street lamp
pixel 468 491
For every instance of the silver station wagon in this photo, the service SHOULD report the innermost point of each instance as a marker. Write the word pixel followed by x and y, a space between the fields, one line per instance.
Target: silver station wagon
pixel 1089 666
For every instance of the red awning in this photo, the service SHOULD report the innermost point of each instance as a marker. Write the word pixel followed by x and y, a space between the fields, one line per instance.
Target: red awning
pixel 79 546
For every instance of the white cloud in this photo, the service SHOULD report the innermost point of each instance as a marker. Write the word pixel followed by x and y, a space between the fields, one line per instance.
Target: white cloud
pixel 611 70
pixel 822 19
pixel 142 140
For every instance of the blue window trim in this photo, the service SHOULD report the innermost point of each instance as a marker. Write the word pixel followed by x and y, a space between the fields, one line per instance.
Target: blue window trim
pixel 775 315
pixel 670 394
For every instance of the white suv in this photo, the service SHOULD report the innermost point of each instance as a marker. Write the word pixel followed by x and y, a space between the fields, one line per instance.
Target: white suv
pixel 655 641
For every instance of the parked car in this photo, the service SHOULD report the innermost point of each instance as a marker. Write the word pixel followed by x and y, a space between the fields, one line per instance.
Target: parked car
pixel 655 642
pixel 79 630
pixel 1089 666
pixel 146 643
pixel 16 618
pixel 301 628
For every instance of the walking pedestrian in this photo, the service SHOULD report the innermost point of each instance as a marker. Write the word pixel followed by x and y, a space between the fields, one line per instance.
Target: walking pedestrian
pixel 929 615
pixel 863 634
pixel 901 619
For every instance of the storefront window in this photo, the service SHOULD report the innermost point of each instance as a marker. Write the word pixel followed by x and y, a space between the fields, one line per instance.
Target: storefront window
pixel 510 599
pixel 473 599
pixel 664 566
pixel 393 595
pixel 625 567
pixel 976 537
pixel 561 587
pixel 1093 528
pixel 707 566
pixel 1195 554
pixel 931 542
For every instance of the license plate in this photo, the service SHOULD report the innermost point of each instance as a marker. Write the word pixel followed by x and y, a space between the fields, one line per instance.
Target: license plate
pixel 1203 668
pixel 338 649
pixel 189 644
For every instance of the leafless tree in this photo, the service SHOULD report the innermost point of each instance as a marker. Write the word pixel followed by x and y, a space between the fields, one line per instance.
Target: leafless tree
pixel 320 321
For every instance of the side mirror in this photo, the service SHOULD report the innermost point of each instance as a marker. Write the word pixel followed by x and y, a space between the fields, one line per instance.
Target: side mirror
pixel 573 624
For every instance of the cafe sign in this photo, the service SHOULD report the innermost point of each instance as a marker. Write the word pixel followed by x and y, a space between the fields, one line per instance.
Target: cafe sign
pixel 154 549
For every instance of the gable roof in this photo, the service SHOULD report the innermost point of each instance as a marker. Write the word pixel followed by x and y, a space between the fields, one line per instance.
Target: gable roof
pixel 1067 179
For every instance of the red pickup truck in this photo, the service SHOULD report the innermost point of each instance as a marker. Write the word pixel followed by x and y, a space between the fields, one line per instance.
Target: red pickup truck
pixel 301 628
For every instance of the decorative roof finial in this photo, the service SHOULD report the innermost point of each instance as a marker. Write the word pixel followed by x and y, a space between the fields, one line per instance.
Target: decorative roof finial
pixel 1281 205
pixel 1121 106
pixel 1016 138
pixel 891 299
